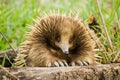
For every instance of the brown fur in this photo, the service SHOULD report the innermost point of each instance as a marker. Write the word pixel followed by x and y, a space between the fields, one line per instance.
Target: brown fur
pixel 43 44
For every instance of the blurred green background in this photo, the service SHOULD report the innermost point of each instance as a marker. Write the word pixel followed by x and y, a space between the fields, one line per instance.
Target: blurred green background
pixel 17 15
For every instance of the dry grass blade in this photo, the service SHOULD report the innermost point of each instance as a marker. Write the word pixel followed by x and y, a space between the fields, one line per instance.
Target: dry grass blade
pixel 104 27
pixel 7 41
pixel 98 43
pixel 117 56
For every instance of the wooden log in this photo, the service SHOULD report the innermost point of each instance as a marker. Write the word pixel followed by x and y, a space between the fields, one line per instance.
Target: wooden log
pixel 91 72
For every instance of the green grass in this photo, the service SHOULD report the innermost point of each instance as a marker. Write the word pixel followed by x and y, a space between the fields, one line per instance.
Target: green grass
pixel 16 15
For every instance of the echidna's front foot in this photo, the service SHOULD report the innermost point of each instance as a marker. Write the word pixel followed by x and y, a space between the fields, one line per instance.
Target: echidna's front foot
pixel 79 63
pixel 58 63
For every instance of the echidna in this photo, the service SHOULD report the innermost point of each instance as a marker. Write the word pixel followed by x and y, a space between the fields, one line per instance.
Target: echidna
pixel 58 40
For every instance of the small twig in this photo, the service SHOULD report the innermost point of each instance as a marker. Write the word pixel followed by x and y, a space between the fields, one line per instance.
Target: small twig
pixel 104 26
pixel 7 41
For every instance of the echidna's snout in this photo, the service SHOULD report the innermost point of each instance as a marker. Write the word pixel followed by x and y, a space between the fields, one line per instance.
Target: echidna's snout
pixel 65 48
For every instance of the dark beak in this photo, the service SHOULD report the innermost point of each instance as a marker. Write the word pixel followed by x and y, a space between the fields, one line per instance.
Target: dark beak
pixel 64 48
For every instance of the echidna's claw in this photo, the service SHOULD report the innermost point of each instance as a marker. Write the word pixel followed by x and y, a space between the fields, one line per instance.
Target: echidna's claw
pixel 85 63
pixel 56 64
pixel 65 63
pixel 79 63
pixel 59 63
pixel 72 64
pixel 49 65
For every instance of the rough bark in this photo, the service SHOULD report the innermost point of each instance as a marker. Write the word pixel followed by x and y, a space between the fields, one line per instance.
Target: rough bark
pixel 6 75
pixel 92 72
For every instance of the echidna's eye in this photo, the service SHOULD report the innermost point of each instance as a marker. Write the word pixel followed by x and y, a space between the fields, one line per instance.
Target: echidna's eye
pixel 58 38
